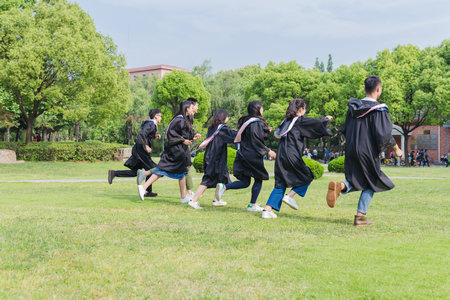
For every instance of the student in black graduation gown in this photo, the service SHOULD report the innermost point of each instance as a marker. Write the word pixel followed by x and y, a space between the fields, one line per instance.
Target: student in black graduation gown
pixel 189 182
pixel 176 157
pixel 215 159
pixel 290 170
pixel 249 161
pixel 140 154
pixel 368 132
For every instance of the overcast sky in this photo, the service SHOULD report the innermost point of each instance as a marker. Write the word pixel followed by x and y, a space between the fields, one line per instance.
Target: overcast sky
pixel 236 33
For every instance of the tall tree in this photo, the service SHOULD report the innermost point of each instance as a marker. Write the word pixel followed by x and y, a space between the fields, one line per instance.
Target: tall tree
pixel 51 56
pixel 416 86
pixel 330 63
pixel 176 87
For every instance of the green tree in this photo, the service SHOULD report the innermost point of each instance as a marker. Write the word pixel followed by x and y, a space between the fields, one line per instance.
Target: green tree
pixel 176 87
pixel 330 63
pixel 51 56
pixel 416 86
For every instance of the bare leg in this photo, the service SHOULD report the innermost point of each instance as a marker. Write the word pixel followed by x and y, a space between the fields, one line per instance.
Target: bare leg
pixel 292 193
pixel 268 208
pixel 200 190
pixel 150 181
pixel 182 184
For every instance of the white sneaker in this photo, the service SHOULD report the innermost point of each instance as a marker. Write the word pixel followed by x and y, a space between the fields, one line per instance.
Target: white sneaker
pixel 255 207
pixel 219 203
pixel 185 200
pixel 290 201
pixel 141 192
pixel 220 190
pixel 194 205
pixel 268 214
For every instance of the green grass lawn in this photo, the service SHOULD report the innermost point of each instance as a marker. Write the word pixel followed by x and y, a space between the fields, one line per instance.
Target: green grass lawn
pixel 95 240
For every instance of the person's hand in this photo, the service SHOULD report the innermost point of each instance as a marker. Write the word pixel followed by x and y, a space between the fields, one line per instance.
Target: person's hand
pixel 187 142
pixel 148 149
pixel 329 117
pixel 270 129
pixel 272 154
pixel 398 151
pixel 197 136
pixel 158 136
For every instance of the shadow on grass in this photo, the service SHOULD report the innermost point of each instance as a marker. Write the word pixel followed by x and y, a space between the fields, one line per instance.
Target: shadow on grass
pixel 207 207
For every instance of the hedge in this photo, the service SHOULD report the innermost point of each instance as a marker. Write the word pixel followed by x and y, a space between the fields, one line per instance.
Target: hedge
pixel 63 151
pixel 337 165
pixel 315 167
pixel 198 160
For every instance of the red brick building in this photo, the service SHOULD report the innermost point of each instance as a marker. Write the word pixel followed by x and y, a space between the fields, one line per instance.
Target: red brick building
pixel 435 139
pixel 159 70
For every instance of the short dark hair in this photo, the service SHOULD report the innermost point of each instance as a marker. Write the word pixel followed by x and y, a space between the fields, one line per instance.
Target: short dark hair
pixel 192 100
pixel 371 83
pixel 153 112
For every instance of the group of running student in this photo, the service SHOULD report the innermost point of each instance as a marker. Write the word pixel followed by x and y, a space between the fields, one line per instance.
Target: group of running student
pixel 367 130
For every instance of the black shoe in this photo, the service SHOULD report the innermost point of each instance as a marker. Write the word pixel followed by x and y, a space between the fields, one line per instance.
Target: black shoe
pixel 150 194
pixel 111 175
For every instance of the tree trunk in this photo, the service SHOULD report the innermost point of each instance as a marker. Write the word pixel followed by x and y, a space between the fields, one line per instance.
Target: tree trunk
pixel 8 133
pixel 129 133
pixel 30 124
pixel 69 133
pixel 103 136
pixel 17 133
pixel 405 151
pixel 77 131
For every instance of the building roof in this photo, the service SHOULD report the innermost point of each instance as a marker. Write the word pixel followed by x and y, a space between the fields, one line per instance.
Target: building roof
pixel 156 67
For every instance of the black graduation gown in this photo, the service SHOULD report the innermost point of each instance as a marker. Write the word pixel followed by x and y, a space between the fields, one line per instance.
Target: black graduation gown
pixel 140 158
pixel 249 159
pixel 365 138
pixel 290 170
pixel 215 160
pixel 176 156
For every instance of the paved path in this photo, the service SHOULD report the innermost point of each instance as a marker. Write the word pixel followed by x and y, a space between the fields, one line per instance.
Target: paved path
pixel 165 178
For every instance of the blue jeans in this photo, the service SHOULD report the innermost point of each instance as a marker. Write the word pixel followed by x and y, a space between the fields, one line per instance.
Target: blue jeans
pixel 364 199
pixel 276 197
pixel 245 182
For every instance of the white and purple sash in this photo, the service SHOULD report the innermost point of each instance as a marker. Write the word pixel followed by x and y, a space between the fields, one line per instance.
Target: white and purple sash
pixel 208 140
pixel 280 135
pixel 241 130
pixel 379 106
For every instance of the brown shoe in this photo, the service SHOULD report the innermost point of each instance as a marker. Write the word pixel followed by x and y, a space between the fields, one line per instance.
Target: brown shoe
pixel 334 190
pixel 111 175
pixel 361 221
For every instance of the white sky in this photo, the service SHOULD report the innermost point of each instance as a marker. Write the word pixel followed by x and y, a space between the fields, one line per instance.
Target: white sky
pixel 234 33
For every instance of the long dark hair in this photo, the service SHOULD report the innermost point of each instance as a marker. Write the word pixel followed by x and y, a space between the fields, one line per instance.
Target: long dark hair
pixel 254 111
pixel 293 108
pixel 219 117
pixel 184 105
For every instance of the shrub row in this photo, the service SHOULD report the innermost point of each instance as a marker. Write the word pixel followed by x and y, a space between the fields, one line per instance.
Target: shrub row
pixel 198 160
pixel 337 165
pixel 315 167
pixel 63 151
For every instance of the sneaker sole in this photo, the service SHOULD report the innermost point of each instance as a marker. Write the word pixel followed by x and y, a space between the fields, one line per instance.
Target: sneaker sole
pixel 332 194
pixel 291 206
